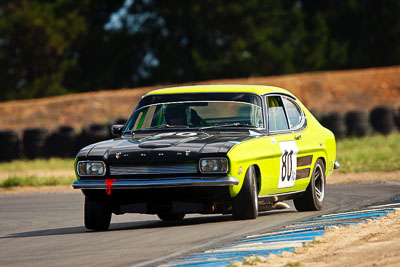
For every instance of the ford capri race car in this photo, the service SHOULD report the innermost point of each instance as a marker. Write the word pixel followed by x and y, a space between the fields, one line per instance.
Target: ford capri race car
pixel 228 149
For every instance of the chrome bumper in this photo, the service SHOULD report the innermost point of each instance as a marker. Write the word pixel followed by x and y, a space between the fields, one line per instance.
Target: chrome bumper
pixel 336 165
pixel 156 183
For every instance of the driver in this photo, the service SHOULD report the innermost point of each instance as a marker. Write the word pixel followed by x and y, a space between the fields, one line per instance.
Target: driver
pixel 175 114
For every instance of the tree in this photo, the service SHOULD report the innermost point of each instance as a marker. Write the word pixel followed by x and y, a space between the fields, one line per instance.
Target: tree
pixel 219 39
pixel 368 31
pixel 43 42
pixel 54 47
pixel 35 47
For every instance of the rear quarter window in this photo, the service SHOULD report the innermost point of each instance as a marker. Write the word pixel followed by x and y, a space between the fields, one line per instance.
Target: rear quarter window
pixel 293 112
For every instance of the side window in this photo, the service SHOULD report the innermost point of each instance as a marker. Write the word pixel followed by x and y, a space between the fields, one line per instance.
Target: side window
pixel 293 112
pixel 276 114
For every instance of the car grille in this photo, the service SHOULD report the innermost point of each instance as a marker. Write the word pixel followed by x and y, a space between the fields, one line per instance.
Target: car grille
pixel 181 168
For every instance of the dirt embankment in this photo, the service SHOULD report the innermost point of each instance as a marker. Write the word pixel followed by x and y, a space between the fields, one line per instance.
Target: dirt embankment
pixel 372 244
pixel 321 92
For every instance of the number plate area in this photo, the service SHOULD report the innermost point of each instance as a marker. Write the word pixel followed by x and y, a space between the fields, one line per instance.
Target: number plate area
pixel 288 164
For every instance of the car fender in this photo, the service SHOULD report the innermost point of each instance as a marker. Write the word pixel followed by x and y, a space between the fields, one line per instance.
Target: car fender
pixel 257 151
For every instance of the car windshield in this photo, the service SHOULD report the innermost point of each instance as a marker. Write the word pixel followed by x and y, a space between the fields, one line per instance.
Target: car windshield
pixel 196 114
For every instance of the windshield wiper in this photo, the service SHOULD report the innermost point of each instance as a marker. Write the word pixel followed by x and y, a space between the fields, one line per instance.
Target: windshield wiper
pixel 236 124
pixel 168 126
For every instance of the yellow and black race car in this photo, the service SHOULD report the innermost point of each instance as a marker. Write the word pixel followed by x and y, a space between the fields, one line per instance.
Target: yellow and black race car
pixel 208 149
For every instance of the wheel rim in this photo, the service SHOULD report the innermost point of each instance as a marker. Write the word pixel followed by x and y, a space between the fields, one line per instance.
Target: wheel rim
pixel 255 195
pixel 319 183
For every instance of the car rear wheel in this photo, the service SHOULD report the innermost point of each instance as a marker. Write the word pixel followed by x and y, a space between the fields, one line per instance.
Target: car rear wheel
pixel 312 199
pixel 171 216
pixel 97 215
pixel 245 204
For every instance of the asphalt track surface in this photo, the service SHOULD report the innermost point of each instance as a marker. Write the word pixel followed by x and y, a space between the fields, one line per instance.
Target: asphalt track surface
pixel 47 229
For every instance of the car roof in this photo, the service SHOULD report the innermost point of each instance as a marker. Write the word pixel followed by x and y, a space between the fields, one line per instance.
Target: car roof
pixel 222 88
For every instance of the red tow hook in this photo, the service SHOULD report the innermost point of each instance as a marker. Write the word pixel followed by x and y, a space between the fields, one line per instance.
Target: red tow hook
pixel 109 183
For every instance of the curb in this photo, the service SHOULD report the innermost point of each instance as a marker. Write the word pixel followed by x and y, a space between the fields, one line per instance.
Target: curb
pixel 287 239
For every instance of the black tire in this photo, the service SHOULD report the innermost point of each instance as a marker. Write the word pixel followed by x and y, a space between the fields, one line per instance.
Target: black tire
pixel 93 133
pixel 382 119
pixel 311 200
pixel 334 122
pixel 34 140
pixel 9 144
pixel 62 143
pixel 357 123
pixel 97 215
pixel 171 216
pixel 245 204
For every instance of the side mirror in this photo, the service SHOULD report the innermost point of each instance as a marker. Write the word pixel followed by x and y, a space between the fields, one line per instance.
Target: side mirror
pixel 116 130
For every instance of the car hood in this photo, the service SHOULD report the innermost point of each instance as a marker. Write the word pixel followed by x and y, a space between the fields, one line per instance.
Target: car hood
pixel 166 146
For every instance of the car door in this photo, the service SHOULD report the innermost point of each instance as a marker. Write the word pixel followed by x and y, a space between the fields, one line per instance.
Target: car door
pixel 298 123
pixel 285 124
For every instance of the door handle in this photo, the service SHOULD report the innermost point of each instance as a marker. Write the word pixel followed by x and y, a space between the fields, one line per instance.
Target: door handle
pixel 297 137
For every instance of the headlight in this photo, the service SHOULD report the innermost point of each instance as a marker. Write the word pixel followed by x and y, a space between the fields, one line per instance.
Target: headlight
pixel 91 168
pixel 214 165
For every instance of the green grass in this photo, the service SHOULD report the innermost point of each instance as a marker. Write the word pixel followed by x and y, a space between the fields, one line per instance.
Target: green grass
pixel 293 264
pixel 36 181
pixel 37 172
pixel 372 153
pixel 252 260
pixel 37 164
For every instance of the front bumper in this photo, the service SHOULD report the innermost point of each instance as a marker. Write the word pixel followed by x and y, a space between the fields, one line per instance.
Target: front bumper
pixel 157 183
pixel 336 165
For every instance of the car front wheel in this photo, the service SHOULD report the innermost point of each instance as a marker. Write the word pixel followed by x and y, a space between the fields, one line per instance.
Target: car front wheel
pixel 312 199
pixel 97 215
pixel 245 204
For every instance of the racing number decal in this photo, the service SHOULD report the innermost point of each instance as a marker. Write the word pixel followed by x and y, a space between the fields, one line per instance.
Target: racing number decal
pixel 182 134
pixel 288 164
pixel 178 136
pixel 172 134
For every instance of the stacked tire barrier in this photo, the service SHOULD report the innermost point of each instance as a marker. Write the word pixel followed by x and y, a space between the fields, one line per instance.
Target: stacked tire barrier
pixel 382 119
pixel 34 140
pixel 9 145
pixel 62 143
pixel 334 122
pixel 357 123
pixel 93 133
pixel 65 142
